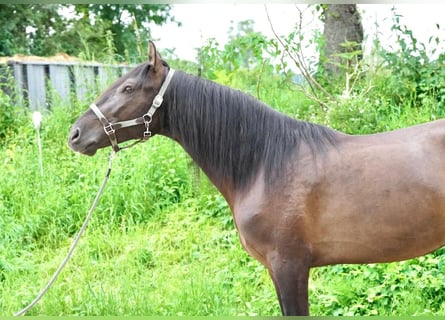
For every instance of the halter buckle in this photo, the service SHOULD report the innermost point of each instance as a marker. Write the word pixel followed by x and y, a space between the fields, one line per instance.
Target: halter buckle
pixel 109 130
pixel 157 101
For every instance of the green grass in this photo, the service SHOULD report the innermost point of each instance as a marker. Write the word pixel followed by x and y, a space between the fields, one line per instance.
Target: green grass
pixel 164 267
pixel 162 239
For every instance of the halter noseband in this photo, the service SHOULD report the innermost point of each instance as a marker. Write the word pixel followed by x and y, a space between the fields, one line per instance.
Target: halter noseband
pixel 110 128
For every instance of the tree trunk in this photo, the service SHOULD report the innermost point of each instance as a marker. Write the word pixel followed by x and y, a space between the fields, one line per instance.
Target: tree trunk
pixel 343 34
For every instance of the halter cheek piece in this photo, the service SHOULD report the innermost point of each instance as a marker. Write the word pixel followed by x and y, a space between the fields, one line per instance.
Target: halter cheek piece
pixel 110 128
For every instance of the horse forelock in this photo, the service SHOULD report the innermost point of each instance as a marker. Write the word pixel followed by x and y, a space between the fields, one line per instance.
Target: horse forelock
pixel 233 135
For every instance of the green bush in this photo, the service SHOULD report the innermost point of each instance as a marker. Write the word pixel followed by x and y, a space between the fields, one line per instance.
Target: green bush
pixel 8 114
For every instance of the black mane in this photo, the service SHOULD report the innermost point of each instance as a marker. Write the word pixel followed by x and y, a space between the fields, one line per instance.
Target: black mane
pixel 233 134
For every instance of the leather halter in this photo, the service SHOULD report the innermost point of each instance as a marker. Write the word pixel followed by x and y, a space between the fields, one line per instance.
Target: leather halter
pixel 110 128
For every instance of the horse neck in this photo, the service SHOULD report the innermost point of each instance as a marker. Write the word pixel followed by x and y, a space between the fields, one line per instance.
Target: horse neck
pixel 229 134
pixel 205 118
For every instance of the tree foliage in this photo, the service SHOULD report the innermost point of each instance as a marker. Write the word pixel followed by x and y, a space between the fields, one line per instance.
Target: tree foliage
pixel 246 48
pixel 25 27
pixel 97 31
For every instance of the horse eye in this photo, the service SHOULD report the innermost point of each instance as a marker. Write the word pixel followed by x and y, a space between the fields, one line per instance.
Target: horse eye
pixel 128 89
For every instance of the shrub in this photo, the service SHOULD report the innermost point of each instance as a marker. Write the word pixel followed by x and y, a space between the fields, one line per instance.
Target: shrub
pixel 8 115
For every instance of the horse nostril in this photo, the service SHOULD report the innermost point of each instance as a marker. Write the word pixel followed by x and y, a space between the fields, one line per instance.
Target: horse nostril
pixel 75 135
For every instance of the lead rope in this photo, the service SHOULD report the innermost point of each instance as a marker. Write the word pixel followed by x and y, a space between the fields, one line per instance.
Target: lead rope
pixel 75 242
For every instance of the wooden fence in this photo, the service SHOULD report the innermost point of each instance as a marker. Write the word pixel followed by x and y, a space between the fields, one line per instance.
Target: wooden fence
pixel 39 84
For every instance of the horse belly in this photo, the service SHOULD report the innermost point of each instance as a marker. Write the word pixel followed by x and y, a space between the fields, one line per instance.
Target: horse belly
pixel 383 206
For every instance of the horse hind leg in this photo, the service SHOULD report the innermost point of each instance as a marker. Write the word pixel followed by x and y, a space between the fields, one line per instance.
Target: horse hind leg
pixel 291 279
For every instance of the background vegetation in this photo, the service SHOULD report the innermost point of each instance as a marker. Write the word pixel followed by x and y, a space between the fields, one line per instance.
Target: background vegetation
pixel 162 240
pixel 102 32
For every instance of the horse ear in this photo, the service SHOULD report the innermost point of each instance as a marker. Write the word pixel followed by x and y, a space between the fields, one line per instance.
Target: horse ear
pixel 153 56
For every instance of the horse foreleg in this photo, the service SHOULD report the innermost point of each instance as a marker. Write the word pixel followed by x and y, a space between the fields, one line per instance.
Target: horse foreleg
pixel 291 279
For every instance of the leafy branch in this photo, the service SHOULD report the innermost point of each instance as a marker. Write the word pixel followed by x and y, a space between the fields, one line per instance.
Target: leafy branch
pixel 315 90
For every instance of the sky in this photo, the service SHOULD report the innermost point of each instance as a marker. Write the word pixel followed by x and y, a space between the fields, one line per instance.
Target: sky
pixel 203 21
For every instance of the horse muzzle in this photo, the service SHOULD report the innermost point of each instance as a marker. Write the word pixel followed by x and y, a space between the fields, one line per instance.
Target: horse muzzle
pixel 78 143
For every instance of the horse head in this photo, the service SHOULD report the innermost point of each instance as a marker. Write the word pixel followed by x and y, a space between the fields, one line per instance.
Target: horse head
pixel 126 110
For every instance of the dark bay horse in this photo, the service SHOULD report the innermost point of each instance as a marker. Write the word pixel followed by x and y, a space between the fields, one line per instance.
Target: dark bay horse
pixel 302 195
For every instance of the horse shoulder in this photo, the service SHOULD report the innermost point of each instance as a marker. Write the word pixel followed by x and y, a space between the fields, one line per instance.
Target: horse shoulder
pixel 271 217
